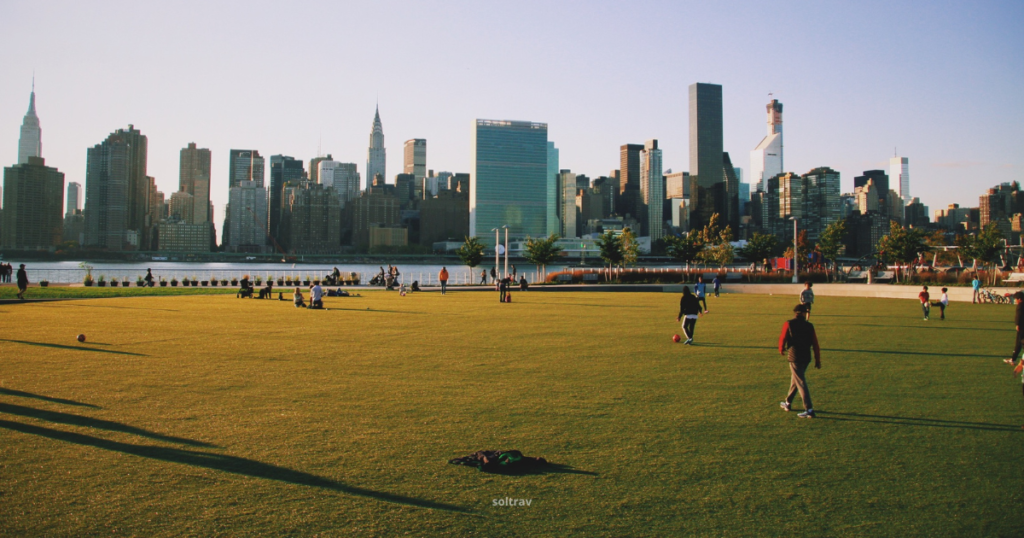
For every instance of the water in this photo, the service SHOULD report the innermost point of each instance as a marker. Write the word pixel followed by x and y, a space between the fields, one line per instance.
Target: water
pixel 70 271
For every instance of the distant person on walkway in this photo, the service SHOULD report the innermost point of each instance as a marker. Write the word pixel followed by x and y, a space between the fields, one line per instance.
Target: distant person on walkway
pixel 503 289
pixel 689 310
pixel 942 303
pixel 513 272
pixel 976 285
pixel 796 342
pixel 483 277
pixel 717 284
pixel 297 299
pixel 523 284
pixel 701 290
pixel 442 277
pixel 807 298
pixel 149 278
pixel 22 282
pixel 316 296
pixel 494 274
pixel 1018 322
pixel 925 303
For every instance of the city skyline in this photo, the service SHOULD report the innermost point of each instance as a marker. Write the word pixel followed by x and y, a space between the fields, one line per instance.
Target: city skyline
pixel 848 124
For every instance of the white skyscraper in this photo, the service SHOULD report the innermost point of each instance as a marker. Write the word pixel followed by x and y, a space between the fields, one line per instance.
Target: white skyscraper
pixel 74 202
pixel 31 142
pixel 899 173
pixel 652 188
pixel 766 159
pixel 376 156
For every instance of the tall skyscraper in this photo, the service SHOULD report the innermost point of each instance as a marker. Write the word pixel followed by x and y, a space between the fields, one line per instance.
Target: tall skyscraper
pixel 245 165
pixel 899 171
pixel 31 142
pixel 376 155
pixel 74 203
pixel 245 214
pixel 553 222
pixel 766 159
pixel 706 153
pixel 33 201
pixel 284 171
pixel 416 158
pixel 508 186
pixel 652 187
pixel 567 204
pixel 194 179
pixel 314 167
pixel 118 193
pixel 343 177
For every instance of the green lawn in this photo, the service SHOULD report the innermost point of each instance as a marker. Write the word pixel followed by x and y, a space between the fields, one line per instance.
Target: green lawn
pixel 208 415
pixel 82 292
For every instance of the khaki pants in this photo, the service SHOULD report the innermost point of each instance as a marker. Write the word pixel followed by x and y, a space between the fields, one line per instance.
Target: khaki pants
pixel 798 383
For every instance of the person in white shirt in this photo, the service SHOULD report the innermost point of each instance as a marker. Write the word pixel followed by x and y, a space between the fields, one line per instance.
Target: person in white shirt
pixel 942 303
pixel 316 296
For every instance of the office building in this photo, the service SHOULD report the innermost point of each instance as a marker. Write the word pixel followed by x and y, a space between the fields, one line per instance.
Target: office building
pixel 246 219
pixel 630 200
pixel 74 202
pixel 311 219
pixel 314 167
pixel 119 195
pixel 30 144
pixel 899 171
pixel 916 214
pixel 567 204
pixel 706 150
pixel 652 188
pixel 33 200
pixel 553 222
pixel 508 186
pixel 284 171
pixel 376 155
pixel 194 179
pixel 245 165
pixel 343 177
pixel 377 208
pixel 766 159
pixel 182 237
pixel 415 158
pixel 444 217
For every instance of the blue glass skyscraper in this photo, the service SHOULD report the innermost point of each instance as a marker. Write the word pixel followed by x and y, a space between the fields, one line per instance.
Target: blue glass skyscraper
pixel 509 184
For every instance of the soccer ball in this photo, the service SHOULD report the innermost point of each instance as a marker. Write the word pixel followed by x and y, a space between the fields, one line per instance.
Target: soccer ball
pixel 675 338
pixel 81 338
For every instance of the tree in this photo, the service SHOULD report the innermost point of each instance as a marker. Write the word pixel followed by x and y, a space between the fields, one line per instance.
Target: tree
pixel 684 248
pixel 986 245
pixel 471 253
pixel 830 241
pixel 721 254
pixel 542 252
pixel 901 246
pixel 943 257
pixel 715 241
pixel 760 247
pixel 611 250
pixel 629 246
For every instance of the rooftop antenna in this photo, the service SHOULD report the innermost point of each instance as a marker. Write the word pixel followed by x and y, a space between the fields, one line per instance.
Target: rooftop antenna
pixel 770 95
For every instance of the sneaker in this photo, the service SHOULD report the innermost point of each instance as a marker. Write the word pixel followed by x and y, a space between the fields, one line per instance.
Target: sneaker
pixel 786 406
pixel 1008 361
pixel 688 341
pixel 807 414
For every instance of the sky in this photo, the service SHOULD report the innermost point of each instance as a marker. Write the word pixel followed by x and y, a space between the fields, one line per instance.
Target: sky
pixel 937 82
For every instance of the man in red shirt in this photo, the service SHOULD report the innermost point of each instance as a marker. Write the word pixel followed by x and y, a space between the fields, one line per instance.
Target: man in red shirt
pixel 798 339
pixel 925 305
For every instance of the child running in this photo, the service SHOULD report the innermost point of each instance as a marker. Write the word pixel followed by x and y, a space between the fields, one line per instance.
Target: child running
pixel 689 308
pixel 925 304
pixel 807 298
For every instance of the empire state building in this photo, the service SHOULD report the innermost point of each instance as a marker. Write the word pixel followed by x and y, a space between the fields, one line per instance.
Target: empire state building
pixel 376 154
pixel 31 142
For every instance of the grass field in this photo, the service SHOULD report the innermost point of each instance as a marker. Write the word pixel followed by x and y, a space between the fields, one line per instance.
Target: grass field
pixel 208 415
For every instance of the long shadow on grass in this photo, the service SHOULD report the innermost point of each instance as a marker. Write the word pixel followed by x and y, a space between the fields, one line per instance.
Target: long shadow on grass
pixel 935 327
pixel 229 464
pixel 868 351
pixel 906 421
pixel 585 304
pixel 12 392
pixel 121 307
pixel 78 420
pixel 549 468
pixel 73 348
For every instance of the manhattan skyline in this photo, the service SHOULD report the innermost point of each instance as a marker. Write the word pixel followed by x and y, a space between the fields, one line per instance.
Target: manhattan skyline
pixel 860 83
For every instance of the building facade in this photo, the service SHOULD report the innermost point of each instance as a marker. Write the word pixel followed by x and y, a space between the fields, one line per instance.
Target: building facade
pixel 706 149
pixel 899 171
pixel 30 143
pixel 247 217
pixel 508 185
pixel 652 188
pixel 376 155
pixel 33 202
pixel 74 201
pixel 553 222
pixel 766 159
pixel 194 179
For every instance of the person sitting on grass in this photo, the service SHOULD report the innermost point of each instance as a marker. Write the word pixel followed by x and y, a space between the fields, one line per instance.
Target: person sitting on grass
pixel 297 299
pixel 415 286
pixel 316 296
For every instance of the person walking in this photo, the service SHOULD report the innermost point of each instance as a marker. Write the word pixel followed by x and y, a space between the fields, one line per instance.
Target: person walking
pixel 807 297
pixel 976 286
pixel 22 282
pixel 1018 322
pixel 494 275
pixel 483 277
pixel 700 289
pixel 442 277
pixel 513 272
pixel 942 303
pixel 796 342
pixel 149 278
pixel 925 303
pixel 689 310
pixel 503 289
pixel 717 284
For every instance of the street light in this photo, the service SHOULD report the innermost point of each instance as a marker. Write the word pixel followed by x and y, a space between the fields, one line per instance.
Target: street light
pixel 796 254
pixel 506 251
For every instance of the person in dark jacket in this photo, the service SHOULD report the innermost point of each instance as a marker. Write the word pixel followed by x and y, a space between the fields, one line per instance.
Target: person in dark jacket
pixel 1018 322
pixel 689 310
pixel 22 282
pixel 797 341
pixel 503 286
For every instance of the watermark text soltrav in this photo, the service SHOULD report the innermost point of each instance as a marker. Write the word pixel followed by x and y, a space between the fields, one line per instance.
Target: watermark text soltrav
pixel 509 501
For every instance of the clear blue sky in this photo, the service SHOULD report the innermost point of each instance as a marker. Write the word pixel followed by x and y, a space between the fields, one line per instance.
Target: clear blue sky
pixel 943 82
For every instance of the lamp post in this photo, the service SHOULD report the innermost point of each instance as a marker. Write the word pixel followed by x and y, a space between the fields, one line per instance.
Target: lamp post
pixel 796 254
pixel 497 245
pixel 506 251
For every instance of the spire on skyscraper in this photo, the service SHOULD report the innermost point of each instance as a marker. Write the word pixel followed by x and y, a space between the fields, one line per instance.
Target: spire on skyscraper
pixel 376 155
pixel 31 142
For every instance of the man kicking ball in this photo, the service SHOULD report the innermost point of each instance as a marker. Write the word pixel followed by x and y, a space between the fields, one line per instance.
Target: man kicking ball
pixel 798 338
pixel 689 308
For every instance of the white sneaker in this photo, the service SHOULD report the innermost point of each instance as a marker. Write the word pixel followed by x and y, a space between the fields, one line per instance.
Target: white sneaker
pixel 786 406
pixel 807 414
